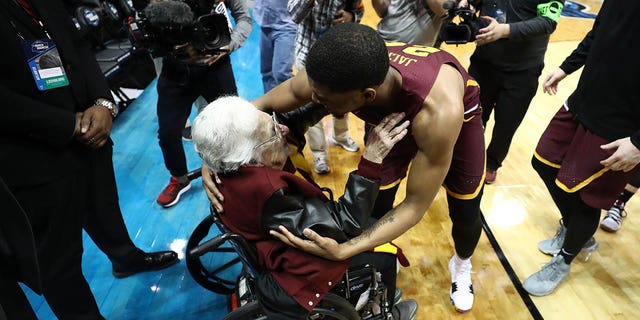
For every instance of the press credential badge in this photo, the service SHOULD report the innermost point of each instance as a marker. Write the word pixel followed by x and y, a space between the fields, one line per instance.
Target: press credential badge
pixel 45 64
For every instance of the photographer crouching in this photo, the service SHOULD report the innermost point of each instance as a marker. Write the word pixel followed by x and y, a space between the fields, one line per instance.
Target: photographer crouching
pixel 195 44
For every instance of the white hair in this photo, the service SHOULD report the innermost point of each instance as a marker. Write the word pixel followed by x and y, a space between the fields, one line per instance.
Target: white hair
pixel 224 133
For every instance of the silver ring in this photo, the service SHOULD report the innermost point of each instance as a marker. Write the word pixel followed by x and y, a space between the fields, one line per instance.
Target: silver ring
pixel 92 140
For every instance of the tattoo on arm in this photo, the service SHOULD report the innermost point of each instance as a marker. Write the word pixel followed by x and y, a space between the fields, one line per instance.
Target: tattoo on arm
pixel 366 234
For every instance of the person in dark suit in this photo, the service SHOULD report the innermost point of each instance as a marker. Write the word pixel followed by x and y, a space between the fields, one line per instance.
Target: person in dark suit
pixel 56 155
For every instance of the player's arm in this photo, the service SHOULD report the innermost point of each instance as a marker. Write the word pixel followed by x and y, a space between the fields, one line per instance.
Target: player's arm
pixel 436 130
pixel 287 96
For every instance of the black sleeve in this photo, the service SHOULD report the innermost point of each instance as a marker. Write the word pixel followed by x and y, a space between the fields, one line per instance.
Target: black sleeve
pixel 340 220
pixel 532 27
pixel 635 139
pixel 301 119
pixel 578 57
pixel 35 119
pixel 96 83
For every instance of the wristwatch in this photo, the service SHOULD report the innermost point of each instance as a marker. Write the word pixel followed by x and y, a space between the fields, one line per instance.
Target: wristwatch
pixel 112 107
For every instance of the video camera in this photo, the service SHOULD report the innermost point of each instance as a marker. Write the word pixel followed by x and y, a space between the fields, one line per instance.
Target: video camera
pixel 467 29
pixel 170 28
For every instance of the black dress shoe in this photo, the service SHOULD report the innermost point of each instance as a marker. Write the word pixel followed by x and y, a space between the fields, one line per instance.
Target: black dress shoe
pixel 145 262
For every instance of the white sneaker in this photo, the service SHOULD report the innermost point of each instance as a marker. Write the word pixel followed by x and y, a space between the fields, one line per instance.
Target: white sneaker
pixel 320 166
pixel 461 292
pixel 348 144
pixel 613 220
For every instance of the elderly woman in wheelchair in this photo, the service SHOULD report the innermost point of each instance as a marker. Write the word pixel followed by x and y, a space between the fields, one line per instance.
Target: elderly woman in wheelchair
pixel 251 152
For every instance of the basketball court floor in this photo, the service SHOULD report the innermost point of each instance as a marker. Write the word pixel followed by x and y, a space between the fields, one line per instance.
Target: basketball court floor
pixel 517 210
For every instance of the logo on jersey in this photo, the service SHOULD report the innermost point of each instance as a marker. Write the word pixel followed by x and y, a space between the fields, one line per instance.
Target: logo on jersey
pixel 410 50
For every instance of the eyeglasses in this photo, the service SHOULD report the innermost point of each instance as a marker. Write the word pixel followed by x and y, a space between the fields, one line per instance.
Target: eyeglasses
pixel 276 129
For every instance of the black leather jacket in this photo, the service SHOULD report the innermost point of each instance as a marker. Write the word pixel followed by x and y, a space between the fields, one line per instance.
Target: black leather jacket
pixel 340 220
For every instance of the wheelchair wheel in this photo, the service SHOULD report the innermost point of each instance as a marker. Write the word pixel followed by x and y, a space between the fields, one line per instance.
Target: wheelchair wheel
pixel 223 259
pixel 334 307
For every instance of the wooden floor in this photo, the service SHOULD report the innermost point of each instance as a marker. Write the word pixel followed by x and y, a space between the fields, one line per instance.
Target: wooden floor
pixel 519 212
pixel 517 209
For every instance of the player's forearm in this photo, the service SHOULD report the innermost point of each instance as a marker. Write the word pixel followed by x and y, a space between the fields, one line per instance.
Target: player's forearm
pixel 393 224
pixel 285 97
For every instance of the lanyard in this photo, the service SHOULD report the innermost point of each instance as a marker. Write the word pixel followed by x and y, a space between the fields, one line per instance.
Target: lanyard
pixel 31 12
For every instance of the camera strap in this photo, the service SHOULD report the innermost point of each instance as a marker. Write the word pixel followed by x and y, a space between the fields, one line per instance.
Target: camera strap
pixel 221 8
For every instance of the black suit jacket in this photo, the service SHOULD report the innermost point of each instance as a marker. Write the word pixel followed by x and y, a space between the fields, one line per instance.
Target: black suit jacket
pixel 36 127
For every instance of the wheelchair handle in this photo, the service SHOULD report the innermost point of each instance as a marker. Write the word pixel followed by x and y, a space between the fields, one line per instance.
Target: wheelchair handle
pixel 208 246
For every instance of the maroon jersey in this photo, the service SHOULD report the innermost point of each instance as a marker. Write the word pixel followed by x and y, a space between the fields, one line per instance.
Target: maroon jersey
pixel 419 67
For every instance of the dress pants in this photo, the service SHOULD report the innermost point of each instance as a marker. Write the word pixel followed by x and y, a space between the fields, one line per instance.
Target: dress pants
pixel 103 217
pixel 55 211
pixel 179 85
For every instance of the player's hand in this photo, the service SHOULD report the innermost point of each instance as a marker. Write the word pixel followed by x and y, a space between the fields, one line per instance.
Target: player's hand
pixel 550 85
pixel 625 157
pixel 314 244
pixel 494 31
pixel 384 136
pixel 210 182
pixel 95 126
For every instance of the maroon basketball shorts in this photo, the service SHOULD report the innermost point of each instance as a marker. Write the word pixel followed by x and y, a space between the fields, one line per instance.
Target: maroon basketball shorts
pixel 568 146
pixel 466 174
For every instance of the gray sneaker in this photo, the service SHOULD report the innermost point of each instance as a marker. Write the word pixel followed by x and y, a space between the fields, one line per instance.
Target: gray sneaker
pixel 613 220
pixel 553 245
pixel 348 143
pixel 548 278
pixel 405 310
pixel 320 166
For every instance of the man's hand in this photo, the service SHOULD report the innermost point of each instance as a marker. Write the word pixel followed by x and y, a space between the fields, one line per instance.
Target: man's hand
pixel 342 16
pixel 212 59
pixel 492 32
pixel 384 136
pixel 550 85
pixel 317 245
pixel 210 182
pixel 78 127
pixel 625 157
pixel 95 126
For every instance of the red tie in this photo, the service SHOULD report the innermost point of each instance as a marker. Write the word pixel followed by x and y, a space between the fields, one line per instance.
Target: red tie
pixel 29 9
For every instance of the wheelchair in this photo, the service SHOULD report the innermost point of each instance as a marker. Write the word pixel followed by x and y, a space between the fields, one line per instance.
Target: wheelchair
pixel 360 295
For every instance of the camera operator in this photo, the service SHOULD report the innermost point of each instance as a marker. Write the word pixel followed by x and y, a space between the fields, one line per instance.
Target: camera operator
pixel 507 62
pixel 180 83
